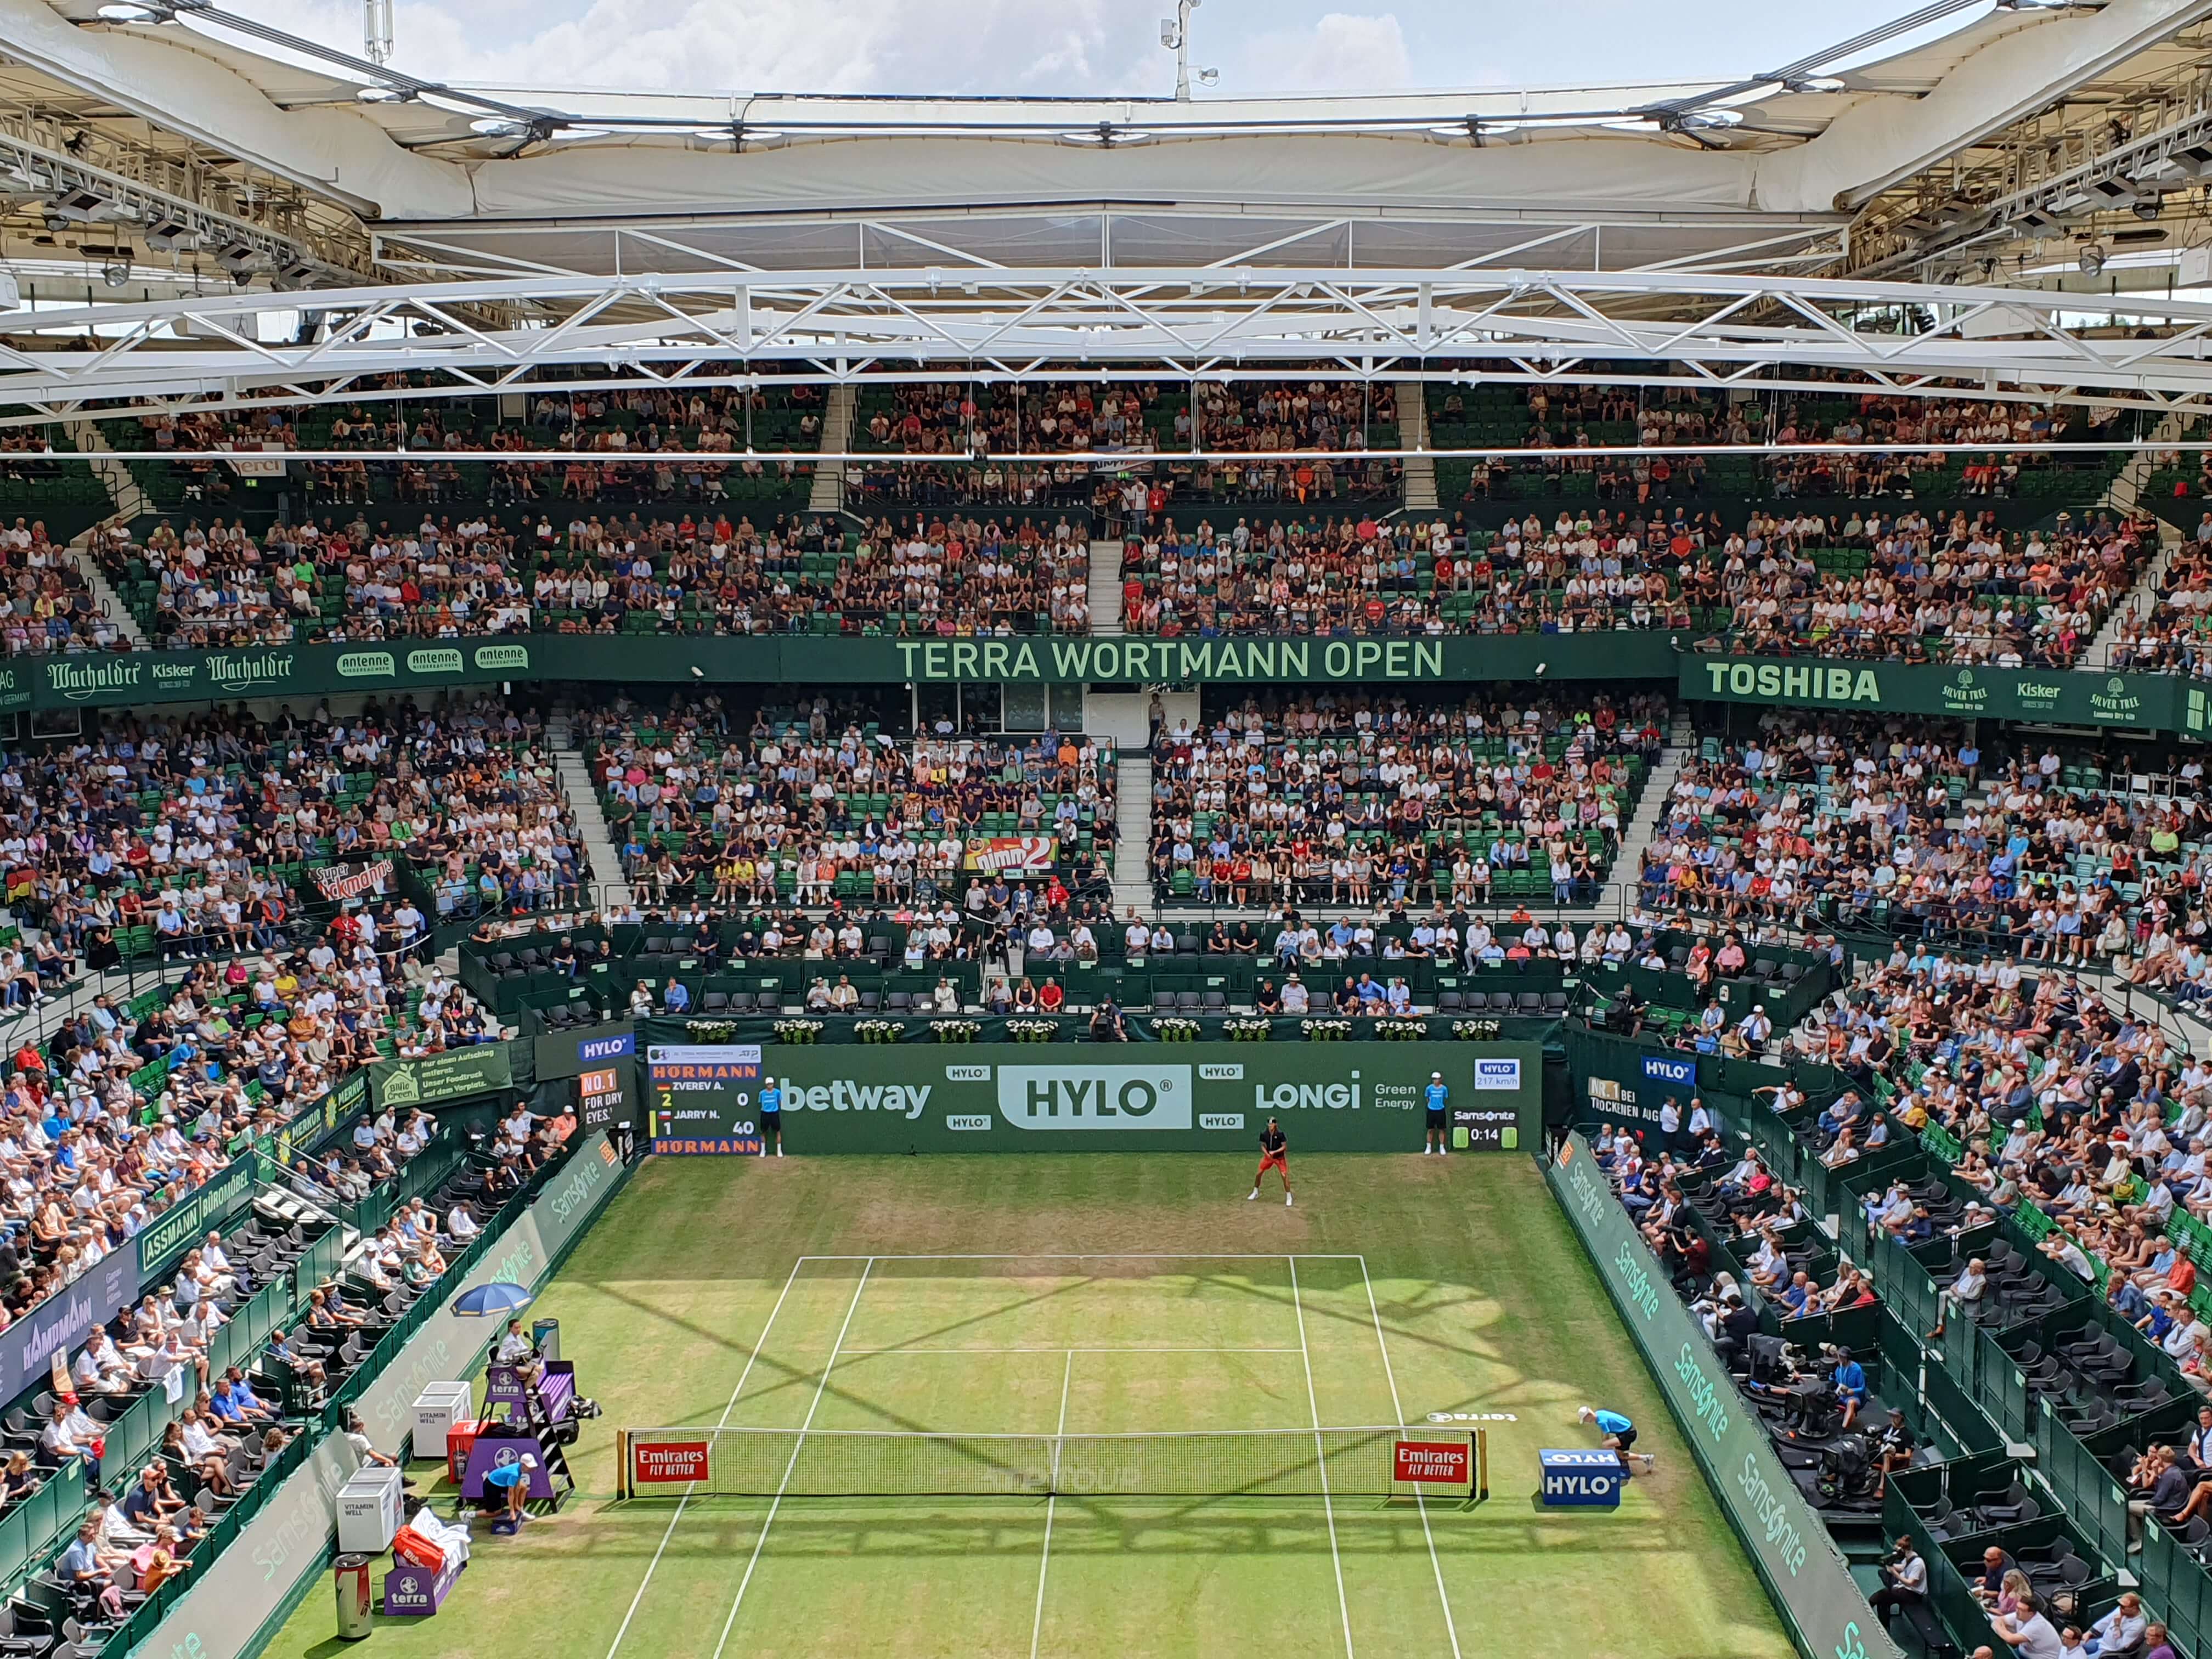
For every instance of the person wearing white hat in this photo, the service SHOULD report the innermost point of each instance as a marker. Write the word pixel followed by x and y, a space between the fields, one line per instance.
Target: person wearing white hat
pixel 1437 1098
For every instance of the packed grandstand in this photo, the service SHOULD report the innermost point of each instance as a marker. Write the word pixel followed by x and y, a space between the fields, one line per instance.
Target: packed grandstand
pixel 1772 713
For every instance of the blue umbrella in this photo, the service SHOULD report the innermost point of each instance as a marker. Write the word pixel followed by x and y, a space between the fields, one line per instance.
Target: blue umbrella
pixel 493 1300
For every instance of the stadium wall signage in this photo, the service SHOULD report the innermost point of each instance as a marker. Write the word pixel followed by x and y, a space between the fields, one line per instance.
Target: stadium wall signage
pixel 483 1068
pixel 2152 702
pixel 226 1610
pixel 2148 702
pixel 1807 1579
pixel 1198 1096
pixel 140 678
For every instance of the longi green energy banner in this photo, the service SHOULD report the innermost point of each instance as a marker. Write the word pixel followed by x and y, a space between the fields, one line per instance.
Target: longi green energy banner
pixel 1329 1097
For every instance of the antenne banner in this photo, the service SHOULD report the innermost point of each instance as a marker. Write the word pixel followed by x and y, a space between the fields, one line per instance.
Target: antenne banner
pixel 1347 1096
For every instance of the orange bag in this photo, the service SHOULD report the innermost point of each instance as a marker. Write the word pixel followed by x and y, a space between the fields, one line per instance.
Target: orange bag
pixel 412 1547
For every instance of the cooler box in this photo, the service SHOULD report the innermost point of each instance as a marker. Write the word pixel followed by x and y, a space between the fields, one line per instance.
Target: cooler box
pixel 368 1510
pixel 440 1406
pixel 460 1440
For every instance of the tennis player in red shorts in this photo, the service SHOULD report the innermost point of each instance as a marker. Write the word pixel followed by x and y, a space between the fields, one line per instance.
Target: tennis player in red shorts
pixel 1274 1154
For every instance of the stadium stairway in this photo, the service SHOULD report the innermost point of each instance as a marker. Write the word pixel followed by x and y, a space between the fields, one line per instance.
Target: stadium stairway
pixel 2127 495
pixel 1106 587
pixel 1651 808
pixel 828 493
pixel 2128 489
pixel 1133 833
pixel 130 501
pixel 2139 601
pixel 1413 434
pixel 607 874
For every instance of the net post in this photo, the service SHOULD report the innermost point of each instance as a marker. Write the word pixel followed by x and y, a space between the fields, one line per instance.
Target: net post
pixel 622 1464
pixel 1481 1468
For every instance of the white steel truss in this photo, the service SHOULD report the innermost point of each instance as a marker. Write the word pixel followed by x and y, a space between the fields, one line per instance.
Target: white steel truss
pixel 851 326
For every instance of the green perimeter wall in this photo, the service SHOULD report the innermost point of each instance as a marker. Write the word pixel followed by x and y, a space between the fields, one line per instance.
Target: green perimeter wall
pixel 1169 1096
pixel 1808 1579
pixel 240 1598
pixel 2147 701
pixel 2162 702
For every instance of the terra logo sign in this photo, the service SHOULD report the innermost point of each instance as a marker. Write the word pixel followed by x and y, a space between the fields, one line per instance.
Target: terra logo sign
pixel 1094 1096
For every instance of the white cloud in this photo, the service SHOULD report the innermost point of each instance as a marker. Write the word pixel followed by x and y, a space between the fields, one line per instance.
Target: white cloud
pixel 1342 52
pixel 1071 47
pixel 782 45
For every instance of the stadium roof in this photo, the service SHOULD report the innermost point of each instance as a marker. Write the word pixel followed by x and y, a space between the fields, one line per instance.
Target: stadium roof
pixel 1896 218
pixel 373 174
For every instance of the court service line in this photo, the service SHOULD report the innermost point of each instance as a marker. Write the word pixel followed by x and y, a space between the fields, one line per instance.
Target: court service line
pixel 729 1406
pixel 1419 1503
pixel 1044 1561
pixel 1104 1256
pixel 797 1447
pixel 852 1353
pixel 1321 1461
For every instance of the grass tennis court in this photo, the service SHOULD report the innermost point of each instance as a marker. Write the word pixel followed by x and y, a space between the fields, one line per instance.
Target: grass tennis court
pixel 1097 1293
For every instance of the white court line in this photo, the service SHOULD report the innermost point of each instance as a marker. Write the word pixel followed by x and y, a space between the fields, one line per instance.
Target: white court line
pixel 855 1353
pixel 693 1486
pixel 1099 1255
pixel 1044 1562
pixel 1419 1503
pixel 797 1447
pixel 1320 1456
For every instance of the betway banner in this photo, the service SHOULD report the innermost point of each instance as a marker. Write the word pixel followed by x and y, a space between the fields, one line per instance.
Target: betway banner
pixel 2152 702
pixel 1804 1573
pixel 1164 1096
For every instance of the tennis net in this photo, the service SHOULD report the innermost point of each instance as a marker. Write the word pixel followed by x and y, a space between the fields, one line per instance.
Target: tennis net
pixel 843 1462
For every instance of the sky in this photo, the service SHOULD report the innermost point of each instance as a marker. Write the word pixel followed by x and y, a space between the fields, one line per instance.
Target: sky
pixel 1084 46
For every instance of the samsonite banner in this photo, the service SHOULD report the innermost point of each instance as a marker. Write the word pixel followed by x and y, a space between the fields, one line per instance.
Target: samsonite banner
pixel 1808 1579
pixel 1365 1096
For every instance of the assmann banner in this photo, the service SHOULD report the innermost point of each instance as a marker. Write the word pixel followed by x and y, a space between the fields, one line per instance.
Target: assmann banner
pixel 2152 701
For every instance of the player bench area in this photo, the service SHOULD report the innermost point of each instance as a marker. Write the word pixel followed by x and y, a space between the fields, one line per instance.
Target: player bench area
pixel 1151 1402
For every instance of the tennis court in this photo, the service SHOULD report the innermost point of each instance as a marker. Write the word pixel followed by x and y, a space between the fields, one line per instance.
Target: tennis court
pixel 1098 1295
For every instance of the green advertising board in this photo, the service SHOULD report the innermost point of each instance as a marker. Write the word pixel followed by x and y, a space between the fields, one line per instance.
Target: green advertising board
pixel 168 1233
pixel 1808 1577
pixel 435 1078
pixel 1163 1097
pixel 2151 701
pixel 308 672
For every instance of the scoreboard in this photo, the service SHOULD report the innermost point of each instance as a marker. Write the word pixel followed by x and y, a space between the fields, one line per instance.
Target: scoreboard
pixel 700 1097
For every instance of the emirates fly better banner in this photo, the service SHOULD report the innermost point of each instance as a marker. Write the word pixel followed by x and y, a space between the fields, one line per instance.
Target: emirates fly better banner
pixel 1159 1097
